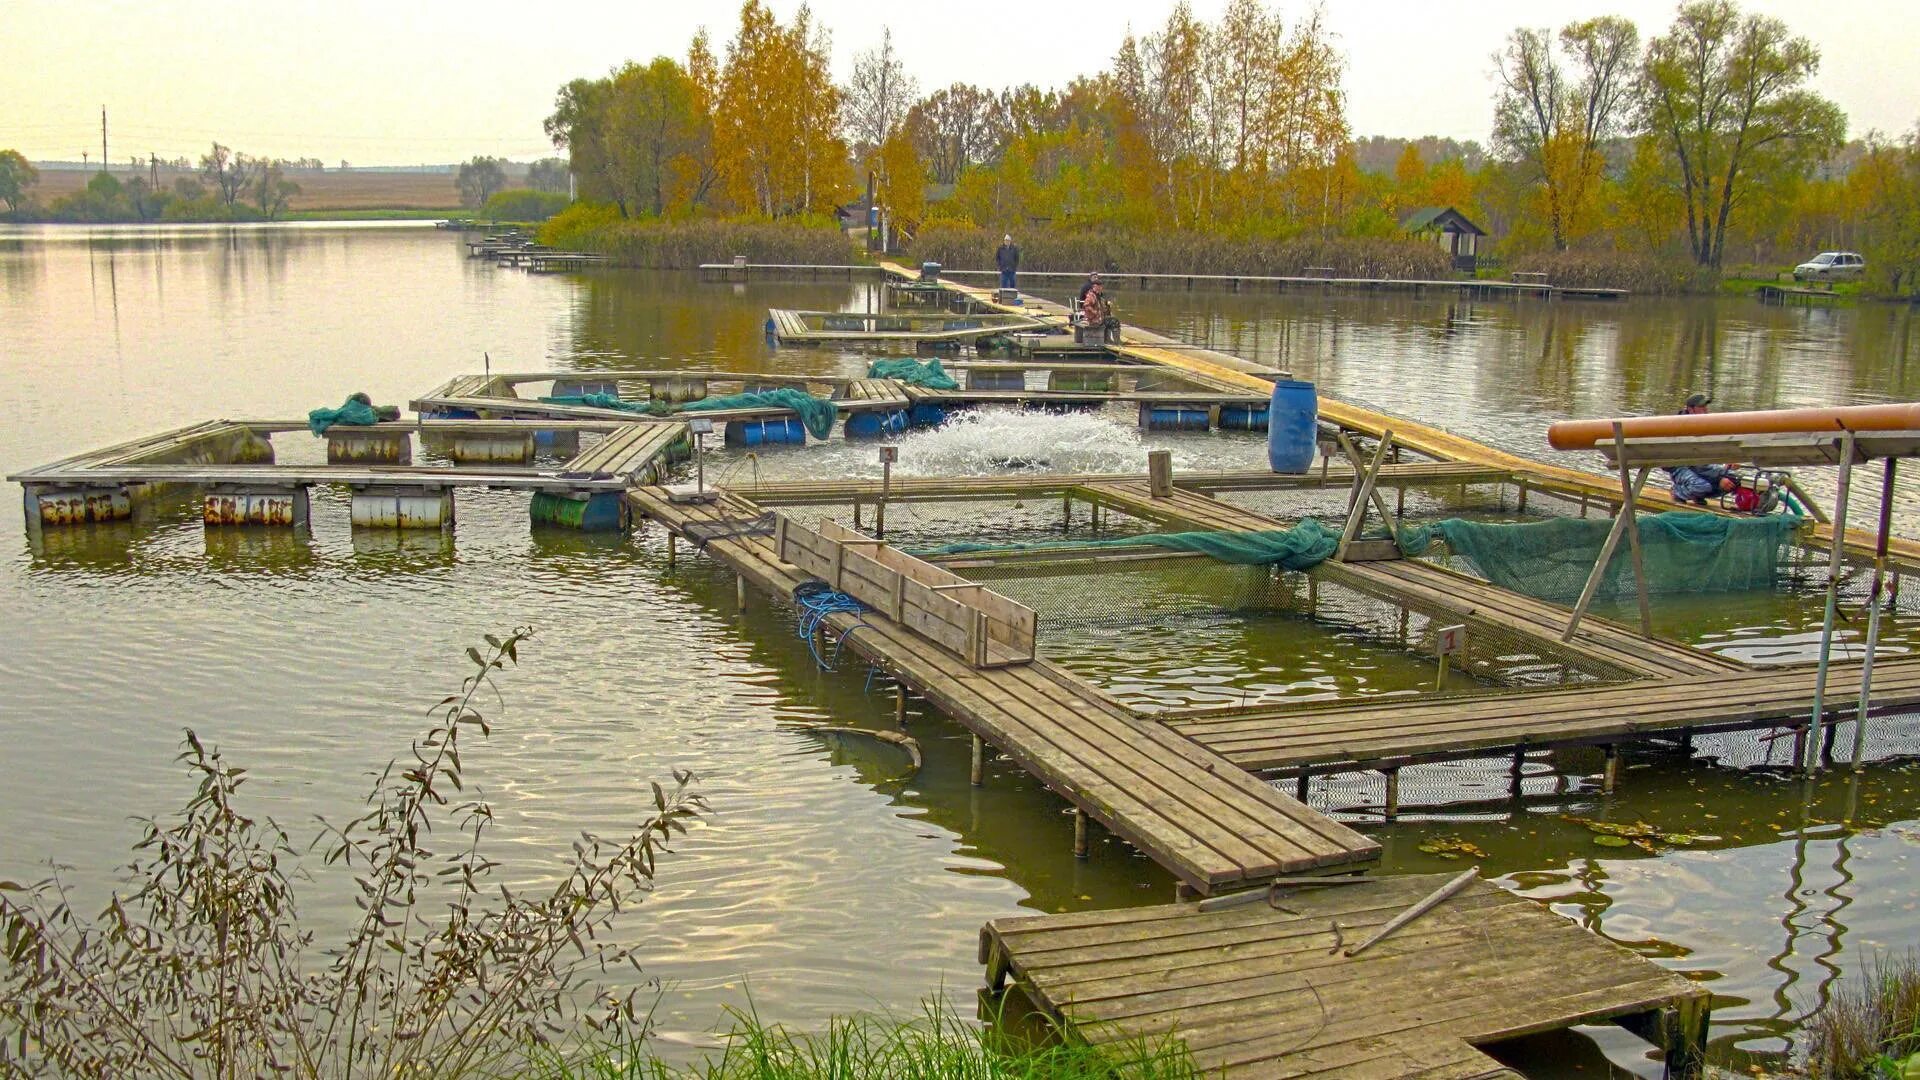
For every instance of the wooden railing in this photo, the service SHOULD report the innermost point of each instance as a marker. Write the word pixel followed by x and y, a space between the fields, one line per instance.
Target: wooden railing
pixel 964 617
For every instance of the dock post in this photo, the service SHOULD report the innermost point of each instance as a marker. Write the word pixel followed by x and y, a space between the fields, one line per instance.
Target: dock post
pixel 673 548
pixel 1610 778
pixel 1517 771
pixel 740 591
pixel 976 768
pixel 1393 793
pixel 1300 788
pixel 1160 474
pixel 1066 513
pixel 1837 550
pixel 1079 833
pixel 1521 505
pixel 900 704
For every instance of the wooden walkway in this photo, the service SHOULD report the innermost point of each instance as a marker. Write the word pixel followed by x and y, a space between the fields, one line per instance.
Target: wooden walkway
pixel 1226 371
pixel 1024 485
pixel 1211 825
pixel 1382 735
pixel 1253 991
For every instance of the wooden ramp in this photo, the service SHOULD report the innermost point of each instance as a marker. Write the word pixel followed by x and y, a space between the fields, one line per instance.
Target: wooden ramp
pixel 1211 825
pixel 1258 992
pixel 1364 735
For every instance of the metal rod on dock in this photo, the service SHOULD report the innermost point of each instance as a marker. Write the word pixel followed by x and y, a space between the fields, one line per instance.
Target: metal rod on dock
pixel 1873 611
pixel 1631 494
pixel 1439 897
pixel 1610 777
pixel 1837 550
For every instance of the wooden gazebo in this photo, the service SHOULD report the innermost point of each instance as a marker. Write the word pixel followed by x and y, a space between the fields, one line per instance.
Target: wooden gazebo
pixel 1451 230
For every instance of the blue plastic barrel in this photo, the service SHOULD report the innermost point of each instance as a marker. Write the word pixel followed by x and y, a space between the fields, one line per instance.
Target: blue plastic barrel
pixel 1292 423
pixel 1173 418
pixel 766 432
pixel 1243 418
pixel 924 415
pixel 875 425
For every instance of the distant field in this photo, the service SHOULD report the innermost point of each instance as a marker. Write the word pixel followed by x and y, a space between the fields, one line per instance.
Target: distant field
pixel 329 190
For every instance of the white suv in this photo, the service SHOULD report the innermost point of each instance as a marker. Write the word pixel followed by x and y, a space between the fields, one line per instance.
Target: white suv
pixel 1831 266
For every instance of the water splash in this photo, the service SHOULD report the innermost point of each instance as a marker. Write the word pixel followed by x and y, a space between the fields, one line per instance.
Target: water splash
pixel 989 441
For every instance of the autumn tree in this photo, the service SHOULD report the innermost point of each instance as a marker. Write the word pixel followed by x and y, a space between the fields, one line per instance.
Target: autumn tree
pixel 227 171
pixel 655 124
pixel 479 178
pixel 775 117
pixel 17 174
pixel 1551 119
pixel 1724 93
pixel 956 128
pixel 581 112
pixel 878 96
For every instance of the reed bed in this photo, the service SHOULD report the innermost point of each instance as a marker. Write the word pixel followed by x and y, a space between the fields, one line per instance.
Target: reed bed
pixel 685 245
pixel 966 247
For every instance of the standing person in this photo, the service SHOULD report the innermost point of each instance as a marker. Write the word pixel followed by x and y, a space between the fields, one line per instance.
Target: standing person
pixel 1007 258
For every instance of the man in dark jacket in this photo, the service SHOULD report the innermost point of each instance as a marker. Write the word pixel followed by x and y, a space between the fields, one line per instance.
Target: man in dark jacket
pixel 1696 483
pixel 1007 258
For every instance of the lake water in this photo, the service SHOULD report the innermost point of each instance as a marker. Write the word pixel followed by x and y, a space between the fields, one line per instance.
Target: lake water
pixel 824 882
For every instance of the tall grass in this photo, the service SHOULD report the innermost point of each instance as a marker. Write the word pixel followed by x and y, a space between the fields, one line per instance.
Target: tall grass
pixel 685 245
pixel 1871 1028
pixel 967 247
pixel 1642 275
pixel 934 1046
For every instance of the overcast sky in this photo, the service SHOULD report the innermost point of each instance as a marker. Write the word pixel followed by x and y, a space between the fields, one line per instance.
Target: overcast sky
pixel 400 82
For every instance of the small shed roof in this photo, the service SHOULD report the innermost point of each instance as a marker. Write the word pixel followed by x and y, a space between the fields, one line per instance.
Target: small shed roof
pixel 1440 219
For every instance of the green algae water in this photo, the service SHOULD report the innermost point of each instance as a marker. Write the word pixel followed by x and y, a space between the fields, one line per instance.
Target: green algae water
pixel 827 881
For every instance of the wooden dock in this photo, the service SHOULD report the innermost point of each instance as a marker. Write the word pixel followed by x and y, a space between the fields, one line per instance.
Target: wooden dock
pixel 1211 825
pixel 1779 295
pixel 1224 370
pixel 1351 736
pixel 232 462
pixel 855 327
pixel 1260 991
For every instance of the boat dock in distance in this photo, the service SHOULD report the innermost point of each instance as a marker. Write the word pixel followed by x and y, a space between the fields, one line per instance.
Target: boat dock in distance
pixel 1522 287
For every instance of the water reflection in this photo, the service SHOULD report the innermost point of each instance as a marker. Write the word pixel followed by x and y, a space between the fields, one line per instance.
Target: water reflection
pixel 306 655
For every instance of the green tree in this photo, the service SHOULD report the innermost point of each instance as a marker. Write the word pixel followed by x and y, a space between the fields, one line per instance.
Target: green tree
pixel 1725 94
pixel 548 174
pixel 272 189
pixel 479 178
pixel 656 127
pixel 227 171
pixel 16 176
pixel 578 126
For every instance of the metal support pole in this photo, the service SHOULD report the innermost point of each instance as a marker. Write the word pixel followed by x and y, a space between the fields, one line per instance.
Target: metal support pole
pixel 1837 548
pixel 856 513
pixel 1393 793
pixel 1516 771
pixel 1632 494
pixel 886 489
pixel 1079 833
pixel 1610 778
pixel 976 770
pixel 1521 505
pixel 1873 613
pixel 673 548
pixel 1300 788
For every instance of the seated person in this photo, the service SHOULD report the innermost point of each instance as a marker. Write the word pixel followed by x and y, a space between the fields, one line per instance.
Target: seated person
pixel 1097 311
pixel 1696 484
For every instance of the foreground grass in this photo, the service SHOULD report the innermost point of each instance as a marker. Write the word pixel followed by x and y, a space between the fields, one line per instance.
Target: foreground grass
pixel 935 1046
pixel 1871 1029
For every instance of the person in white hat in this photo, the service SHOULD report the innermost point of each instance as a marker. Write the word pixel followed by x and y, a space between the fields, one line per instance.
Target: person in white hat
pixel 1007 258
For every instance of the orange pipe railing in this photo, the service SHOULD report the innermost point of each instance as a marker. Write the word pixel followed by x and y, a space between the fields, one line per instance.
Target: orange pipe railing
pixel 1587 434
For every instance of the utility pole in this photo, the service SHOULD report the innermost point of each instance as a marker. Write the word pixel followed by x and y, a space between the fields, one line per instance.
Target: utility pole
pixel 153 171
pixel 106 163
